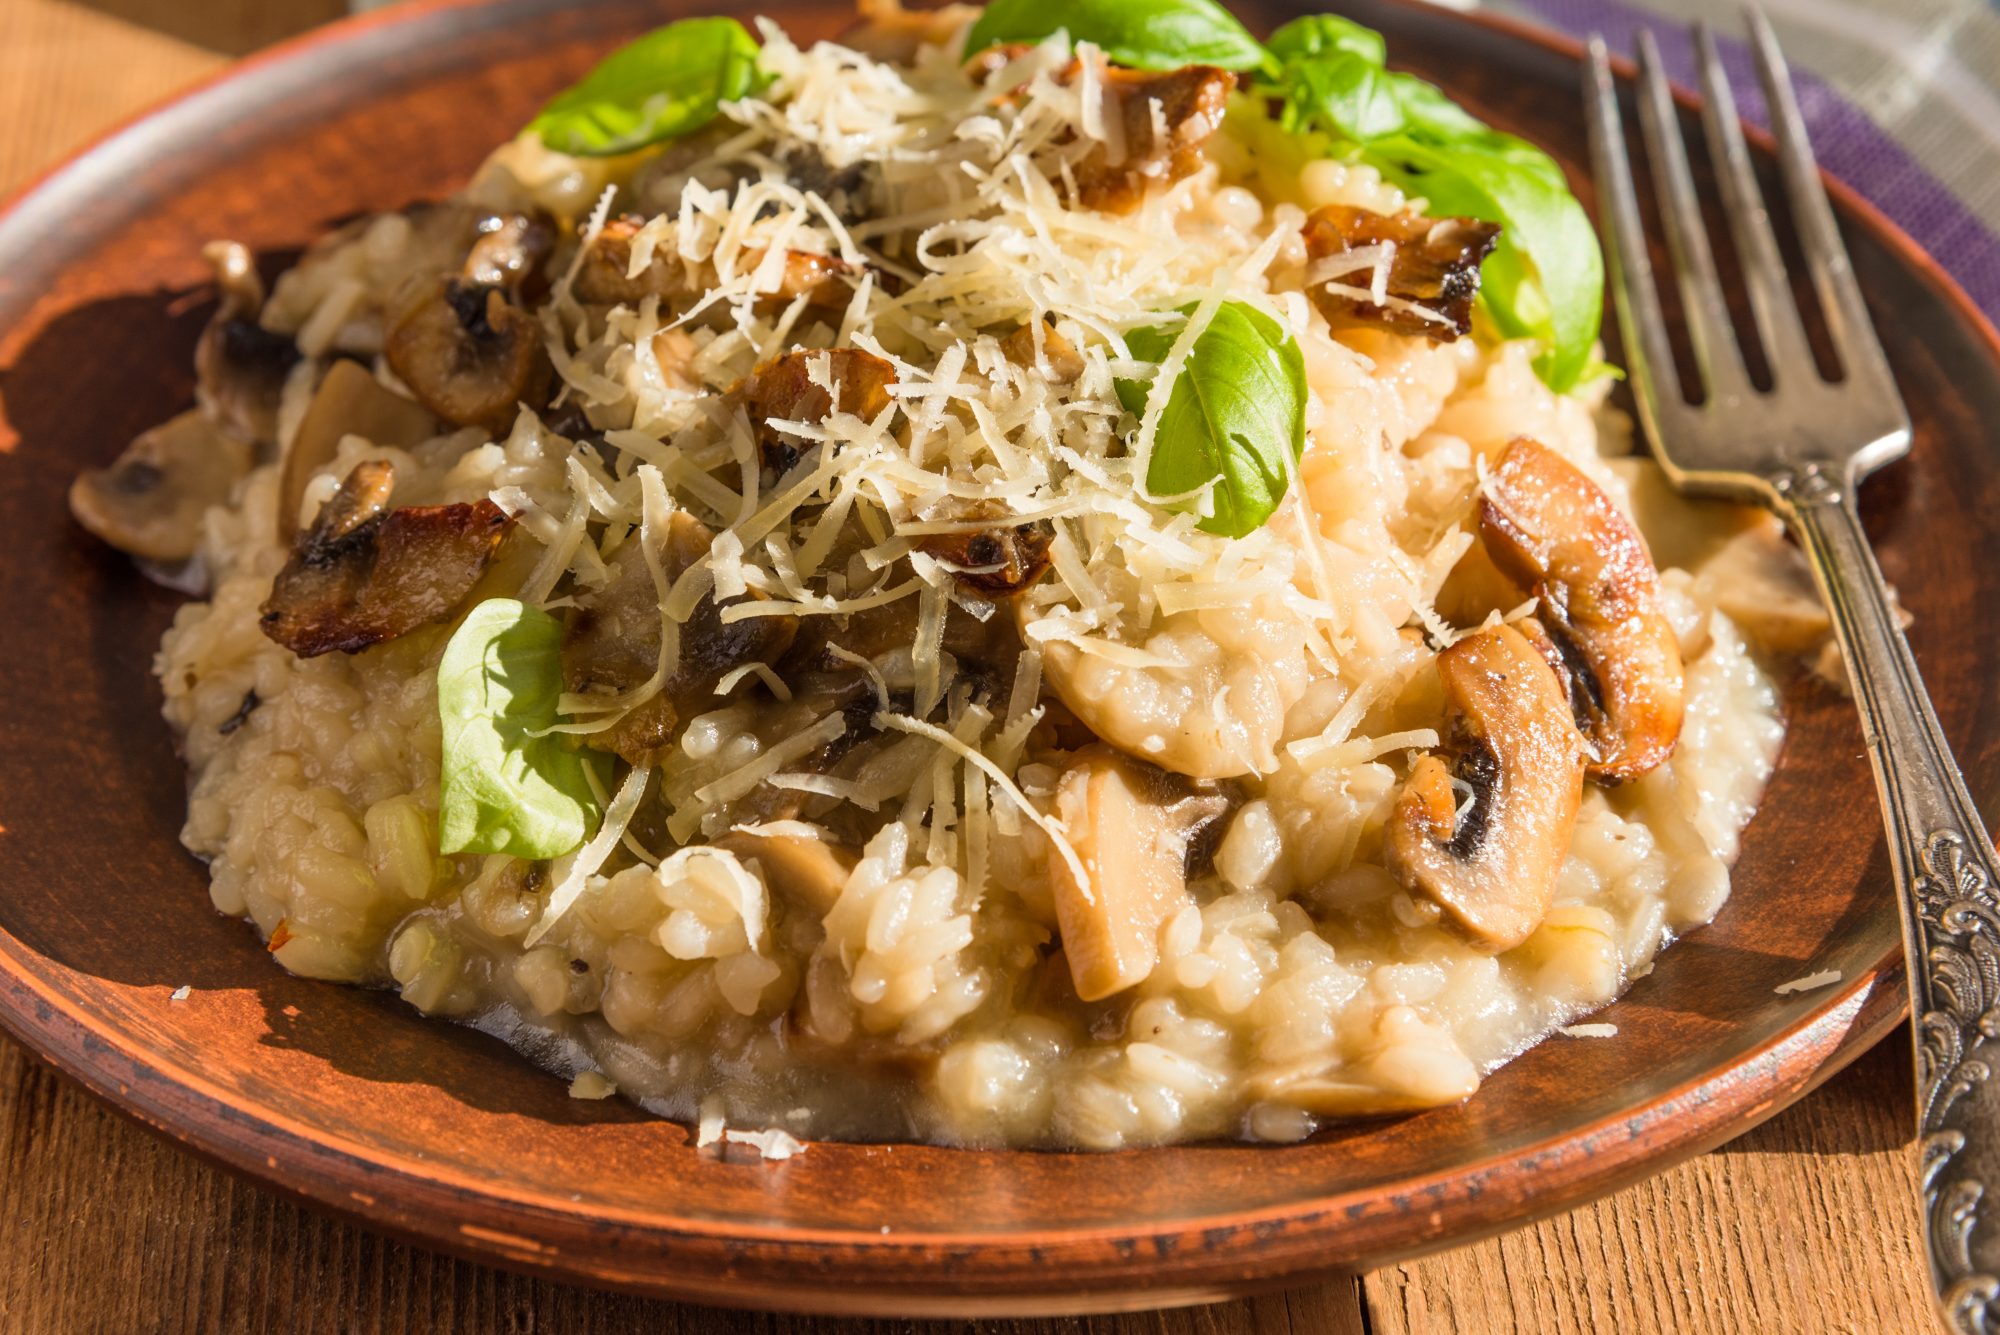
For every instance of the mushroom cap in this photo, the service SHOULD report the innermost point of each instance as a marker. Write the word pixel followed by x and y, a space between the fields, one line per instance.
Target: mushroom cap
pixel 348 402
pixel 1554 531
pixel 150 502
pixel 364 573
pixel 467 352
pixel 613 641
pixel 798 862
pixel 1433 266
pixel 1132 825
pixel 1491 863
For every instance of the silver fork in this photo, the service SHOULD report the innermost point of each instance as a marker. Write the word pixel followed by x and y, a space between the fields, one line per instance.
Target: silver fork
pixel 1802 448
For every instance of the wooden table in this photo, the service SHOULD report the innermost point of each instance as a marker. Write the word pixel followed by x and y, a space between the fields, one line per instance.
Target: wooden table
pixel 1806 1224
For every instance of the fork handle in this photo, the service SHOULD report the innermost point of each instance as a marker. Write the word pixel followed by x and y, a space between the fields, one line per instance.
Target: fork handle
pixel 1946 875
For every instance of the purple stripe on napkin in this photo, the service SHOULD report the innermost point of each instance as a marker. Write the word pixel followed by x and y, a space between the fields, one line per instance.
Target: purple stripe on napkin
pixel 1847 143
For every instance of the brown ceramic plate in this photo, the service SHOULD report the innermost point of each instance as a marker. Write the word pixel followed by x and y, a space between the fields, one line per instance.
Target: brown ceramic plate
pixel 350 1100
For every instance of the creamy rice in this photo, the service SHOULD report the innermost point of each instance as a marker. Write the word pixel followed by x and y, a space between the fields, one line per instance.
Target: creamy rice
pixel 1300 980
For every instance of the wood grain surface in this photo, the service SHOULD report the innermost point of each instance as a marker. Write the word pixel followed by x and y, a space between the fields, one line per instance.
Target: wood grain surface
pixel 1806 1224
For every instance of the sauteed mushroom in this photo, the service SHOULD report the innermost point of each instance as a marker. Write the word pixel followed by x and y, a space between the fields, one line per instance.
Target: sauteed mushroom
pixel 364 573
pixel 1059 360
pixel 605 277
pixel 240 366
pixel 467 352
pixel 1484 822
pixel 1133 826
pixel 799 862
pixel 612 644
pixel 151 501
pixel 1166 118
pixel 1554 531
pixel 998 561
pixel 791 388
pixel 348 402
pixel 1429 269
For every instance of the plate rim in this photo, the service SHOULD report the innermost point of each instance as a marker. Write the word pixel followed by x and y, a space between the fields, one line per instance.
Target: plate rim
pixel 306 1162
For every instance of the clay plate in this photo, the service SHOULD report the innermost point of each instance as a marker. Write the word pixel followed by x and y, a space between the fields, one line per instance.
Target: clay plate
pixel 350 1100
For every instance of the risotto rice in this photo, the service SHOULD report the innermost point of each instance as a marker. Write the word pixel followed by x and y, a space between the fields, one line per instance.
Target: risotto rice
pixel 955 782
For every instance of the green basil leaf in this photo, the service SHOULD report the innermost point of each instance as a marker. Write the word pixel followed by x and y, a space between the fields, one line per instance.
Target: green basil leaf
pixel 662 86
pixel 1545 278
pixel 1236 415
pixel 1141 34
pixel 1320 34
pixel 502 788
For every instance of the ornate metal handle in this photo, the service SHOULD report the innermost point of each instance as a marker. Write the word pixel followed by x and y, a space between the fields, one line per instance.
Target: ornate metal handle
pixel 1946 876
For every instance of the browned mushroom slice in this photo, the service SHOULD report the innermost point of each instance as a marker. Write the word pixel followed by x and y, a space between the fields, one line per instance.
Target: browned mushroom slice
pixel 1429 267
pixel 799 864
pixel 998 561
pixel 1133 826
pixel 151 501
pixel 1166 118
pixel 789 389
pixel 348 402
pixel 605 277
pixel 613 643
pixel 1552 529
pixel 240 366
pixel 364 573
pixel 1059 361
pixel 510 251
pixel 1483 824
pixel 468 352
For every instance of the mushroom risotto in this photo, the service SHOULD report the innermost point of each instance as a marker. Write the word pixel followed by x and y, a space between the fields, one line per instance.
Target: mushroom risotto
pixel 1052 575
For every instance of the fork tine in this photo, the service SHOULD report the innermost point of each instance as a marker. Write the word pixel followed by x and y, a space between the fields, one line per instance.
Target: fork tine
pixel 1649 356
pixel 1717 356
pixel 1777 316
pixel 1826 256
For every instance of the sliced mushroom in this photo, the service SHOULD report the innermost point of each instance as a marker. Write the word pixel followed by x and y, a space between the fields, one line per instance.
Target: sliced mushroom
pixel 1163 117
pixel 467 352
pixel 150 502
pixel 997 561
pixel 1132 825
pixel 1405 273
pixel 792 388
pixel 240 366
pixel 1554 531
pixel 605 277
pixel 1166 118
pixel 1483 823
pixel 364 573
pixel 1059 359
pixel 985 652
pixel 799 862
pixel 613 642
pixel 510 251
pixel 348 402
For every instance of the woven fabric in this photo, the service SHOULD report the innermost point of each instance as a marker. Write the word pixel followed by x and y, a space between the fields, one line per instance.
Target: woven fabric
pixel 1902 99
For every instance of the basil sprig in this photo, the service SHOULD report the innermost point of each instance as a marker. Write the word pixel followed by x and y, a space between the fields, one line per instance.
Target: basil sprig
pixel 1545 278
pixel 1236 408
pixel 1139 34
pixel 664 85
pixel 503 789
